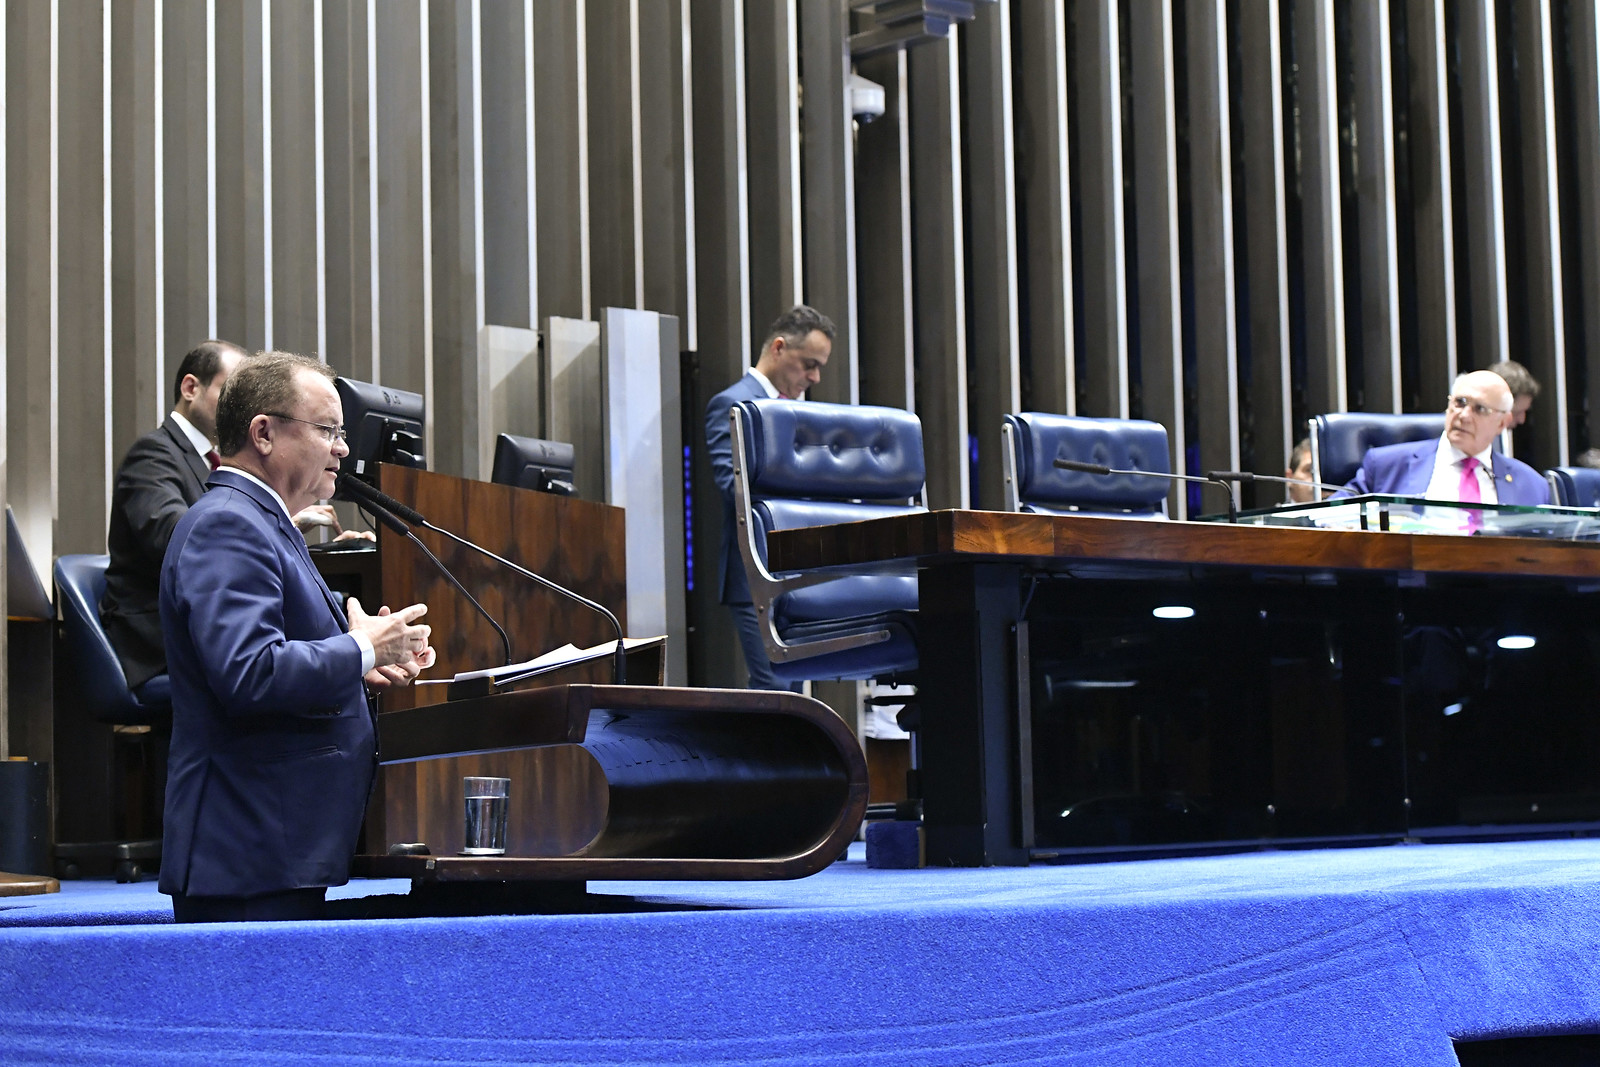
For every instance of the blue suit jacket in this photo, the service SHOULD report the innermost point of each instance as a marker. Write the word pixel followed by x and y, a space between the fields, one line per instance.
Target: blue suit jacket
pixel 732 585
pixel 1406 469
pixel 273 747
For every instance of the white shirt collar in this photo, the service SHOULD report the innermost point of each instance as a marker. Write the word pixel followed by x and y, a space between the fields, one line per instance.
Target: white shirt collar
pixel 196 438
pixel 241 472
pixel 1453 455
pixel 772 390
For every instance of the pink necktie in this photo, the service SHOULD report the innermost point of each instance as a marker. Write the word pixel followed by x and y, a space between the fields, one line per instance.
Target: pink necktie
pixel 1468 492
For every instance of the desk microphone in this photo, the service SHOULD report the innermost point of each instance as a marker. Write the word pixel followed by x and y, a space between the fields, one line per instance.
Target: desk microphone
pixel 369 495
pixel 1101 468
pixel 386 517
pixel 1247 476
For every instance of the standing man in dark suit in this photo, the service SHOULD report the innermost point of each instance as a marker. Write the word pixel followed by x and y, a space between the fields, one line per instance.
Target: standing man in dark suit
pixel 1461 464
pixel 273 744
pixel 796 349
pixel 163 474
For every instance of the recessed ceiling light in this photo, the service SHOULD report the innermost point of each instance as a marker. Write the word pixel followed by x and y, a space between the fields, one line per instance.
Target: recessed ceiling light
pixel 1173 611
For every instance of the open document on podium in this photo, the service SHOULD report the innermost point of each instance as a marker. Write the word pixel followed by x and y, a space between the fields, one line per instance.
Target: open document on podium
pixel 564 656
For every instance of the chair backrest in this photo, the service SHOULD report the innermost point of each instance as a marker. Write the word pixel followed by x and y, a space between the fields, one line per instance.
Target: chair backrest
pixel 88 659
pixel 1035 440
pixel 1574 487
pixel 810 464
pixel 1339 441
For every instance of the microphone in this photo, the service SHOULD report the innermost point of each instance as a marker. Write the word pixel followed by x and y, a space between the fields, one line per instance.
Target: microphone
pixel 384 516
pixel 371 495
pixel 1101 468
pixel 1248 476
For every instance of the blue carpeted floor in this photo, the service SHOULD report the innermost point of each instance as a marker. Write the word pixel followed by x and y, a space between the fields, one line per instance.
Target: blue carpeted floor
pixel 1357 956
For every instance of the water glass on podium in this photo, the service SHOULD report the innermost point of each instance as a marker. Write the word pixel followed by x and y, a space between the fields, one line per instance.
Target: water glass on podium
pixel 487 800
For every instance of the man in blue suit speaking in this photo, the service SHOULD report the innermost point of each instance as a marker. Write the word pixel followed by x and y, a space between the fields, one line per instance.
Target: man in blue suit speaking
pixel 273 743
pixel 796 349
pixel 1461 464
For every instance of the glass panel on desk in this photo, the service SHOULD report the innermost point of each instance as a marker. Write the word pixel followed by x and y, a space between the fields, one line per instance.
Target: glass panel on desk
pixel 1405 514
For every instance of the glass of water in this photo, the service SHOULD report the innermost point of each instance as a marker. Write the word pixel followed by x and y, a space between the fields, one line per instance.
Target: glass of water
pixel 487 800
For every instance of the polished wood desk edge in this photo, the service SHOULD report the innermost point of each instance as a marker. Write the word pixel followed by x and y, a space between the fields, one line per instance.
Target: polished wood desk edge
pixel 954 536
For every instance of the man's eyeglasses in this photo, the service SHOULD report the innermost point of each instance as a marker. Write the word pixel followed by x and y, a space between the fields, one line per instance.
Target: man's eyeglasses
pixel 330 434
pixel 1461 403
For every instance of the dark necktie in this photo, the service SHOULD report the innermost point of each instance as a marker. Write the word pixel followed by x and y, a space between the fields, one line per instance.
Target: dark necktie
pixel 213 459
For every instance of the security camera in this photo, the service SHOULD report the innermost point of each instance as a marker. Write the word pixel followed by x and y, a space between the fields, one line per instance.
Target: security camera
pixel 866 98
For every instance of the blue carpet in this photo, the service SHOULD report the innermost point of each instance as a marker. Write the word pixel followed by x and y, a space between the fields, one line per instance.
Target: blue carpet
pixel 1358 956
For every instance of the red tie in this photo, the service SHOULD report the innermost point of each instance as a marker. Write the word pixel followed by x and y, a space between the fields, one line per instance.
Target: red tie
pixel 213 459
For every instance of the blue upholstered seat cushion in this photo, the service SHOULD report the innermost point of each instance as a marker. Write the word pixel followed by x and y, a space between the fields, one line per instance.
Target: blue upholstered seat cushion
pixel 1124 444
pixel 849 597
pixel 897 655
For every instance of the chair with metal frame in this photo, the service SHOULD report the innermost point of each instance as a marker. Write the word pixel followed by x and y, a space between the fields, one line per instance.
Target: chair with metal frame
pixel 1034 440
pixel 1574 487
pixel 802 463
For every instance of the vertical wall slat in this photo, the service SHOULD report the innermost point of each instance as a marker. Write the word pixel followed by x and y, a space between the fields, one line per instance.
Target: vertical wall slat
pixel 1585 51
pixel 1379 249
pixel 349 256
pixel 720 231
pixel 1432 199
pixel 1479 47
pixel 1044 178
pixel 993 358
pixel 616 263
pixel 667 164
pixel 459 391
pixel 938 271
pixel 1155 176
pixel 509 219
pixel 32 267
pixel 1543 439
pixel 295 207
pixel 1321 216
pixel 883 232
pixel 1266 249
pixel 772 124
pixel 83 424
pixel 1212 236
pixel 1100 175
pixel 561 158
pixel 400 322
pixel 829 209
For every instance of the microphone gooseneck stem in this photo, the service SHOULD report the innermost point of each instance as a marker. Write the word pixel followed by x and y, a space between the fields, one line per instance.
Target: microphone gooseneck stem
pixel 619 670
pixel 1101 468
pixel 398 527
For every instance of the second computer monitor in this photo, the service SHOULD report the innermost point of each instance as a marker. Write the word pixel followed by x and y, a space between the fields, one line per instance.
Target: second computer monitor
pixel 382 424
pixel 529 463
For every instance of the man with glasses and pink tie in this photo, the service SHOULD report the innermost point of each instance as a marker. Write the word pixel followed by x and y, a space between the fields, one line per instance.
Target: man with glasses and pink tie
pixel 1461 464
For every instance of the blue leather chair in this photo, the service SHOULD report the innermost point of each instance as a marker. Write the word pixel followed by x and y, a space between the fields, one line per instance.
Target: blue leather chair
pixel 1574 487
pixel 100 690
pixel 1034 441
pixel 1339 441
pixel 802 463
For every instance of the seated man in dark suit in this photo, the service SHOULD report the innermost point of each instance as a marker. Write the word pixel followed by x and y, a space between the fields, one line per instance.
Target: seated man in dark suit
pixel 162 475
pixel 1461 464
pixel 273 743
pixel 797 347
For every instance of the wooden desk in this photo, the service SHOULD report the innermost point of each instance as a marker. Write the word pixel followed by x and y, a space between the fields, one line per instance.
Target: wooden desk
pixel 1332 684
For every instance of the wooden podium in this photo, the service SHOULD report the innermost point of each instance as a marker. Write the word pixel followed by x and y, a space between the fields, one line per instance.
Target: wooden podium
pixel 635 781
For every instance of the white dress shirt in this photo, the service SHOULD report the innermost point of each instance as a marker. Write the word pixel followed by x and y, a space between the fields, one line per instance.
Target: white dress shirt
pixel 1446 481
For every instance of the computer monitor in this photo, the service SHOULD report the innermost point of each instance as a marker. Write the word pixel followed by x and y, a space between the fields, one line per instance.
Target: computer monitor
pixel 529 463
pixel 383 425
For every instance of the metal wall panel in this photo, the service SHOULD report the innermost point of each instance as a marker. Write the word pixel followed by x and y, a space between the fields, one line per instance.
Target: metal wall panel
pixel 1432 197
pixel 1321 216
pixel 1487 339
pixel 772 125
pixel 886 364
pixel 1379 248
pixel 829 211
pixel 348 202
